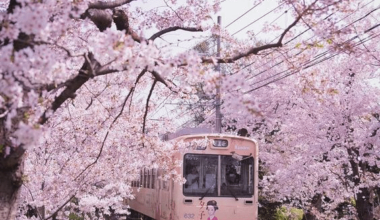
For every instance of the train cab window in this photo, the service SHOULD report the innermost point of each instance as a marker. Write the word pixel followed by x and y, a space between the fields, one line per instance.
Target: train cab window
pixel 237 176
pixel 200 172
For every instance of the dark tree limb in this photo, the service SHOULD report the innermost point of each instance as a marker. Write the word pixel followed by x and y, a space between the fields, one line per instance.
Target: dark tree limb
pixel 170 29
pixel 256 50
pixel 120 19
pixel 147 105
pixel 101 18
pixel 109 4
pixel 97 157
pixel 129 94
pixel 159 78
pixel 63 205
pixel 90 66
pixel 12 6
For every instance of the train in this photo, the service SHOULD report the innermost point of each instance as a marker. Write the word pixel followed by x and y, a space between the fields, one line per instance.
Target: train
pixel 221 174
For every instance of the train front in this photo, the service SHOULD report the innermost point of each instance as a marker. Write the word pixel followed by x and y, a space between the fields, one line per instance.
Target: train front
pixel 221 179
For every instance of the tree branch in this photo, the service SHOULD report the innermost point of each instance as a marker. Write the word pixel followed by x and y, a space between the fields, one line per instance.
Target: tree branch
pixel 54 213
pixel 90 65
pixel 97 158
pixel 130 92
pixel 256 50
pixel 106 5
pixel 147 104
pixel 170 29
pixel 159 78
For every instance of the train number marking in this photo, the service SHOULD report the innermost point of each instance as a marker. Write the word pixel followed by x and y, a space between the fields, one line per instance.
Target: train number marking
pixel 189 216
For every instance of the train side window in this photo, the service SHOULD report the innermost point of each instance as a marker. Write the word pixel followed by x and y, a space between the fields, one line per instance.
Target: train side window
pixel 165 185
pixel 145 178
pixel 153 178
pixel 158 179
pixel 149 179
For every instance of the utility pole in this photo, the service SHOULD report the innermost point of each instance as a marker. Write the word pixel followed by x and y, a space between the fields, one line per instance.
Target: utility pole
pixel 218 121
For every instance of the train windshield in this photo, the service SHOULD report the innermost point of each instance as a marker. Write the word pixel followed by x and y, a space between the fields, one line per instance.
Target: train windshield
pixel 202 176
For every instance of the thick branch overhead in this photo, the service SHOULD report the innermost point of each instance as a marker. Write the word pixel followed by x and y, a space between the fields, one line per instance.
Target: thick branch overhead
pixel 256 50
pixel 106 5
pixel 170 29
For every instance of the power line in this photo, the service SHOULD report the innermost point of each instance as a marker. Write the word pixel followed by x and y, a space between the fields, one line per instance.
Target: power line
pixel 313 37
pixel 324 53
pixel 308 38
pixel 243 14
pixel 257 19
pixel 286 11
pixel 315 62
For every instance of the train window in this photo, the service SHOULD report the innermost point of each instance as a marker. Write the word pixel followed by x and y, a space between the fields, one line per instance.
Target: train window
pixel 200 172
pixel 237 176
pixel 149 173
pixel 145 178
pixel 165 185
pixel 159 180
pixel 153 178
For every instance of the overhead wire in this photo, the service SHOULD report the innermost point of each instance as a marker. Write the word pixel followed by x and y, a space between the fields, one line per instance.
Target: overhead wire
pixel 309 28
pixel 258 19
pixel 321 55
pixel 243 14
pixel 278 17
pixel 311 38
pixel 315 62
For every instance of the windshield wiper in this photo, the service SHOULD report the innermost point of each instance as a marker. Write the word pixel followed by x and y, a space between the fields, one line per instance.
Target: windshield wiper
pixel 205 193
pixel 231 191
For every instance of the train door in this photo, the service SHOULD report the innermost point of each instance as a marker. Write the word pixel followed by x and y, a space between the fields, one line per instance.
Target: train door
pixel 157 190
pixel 164 199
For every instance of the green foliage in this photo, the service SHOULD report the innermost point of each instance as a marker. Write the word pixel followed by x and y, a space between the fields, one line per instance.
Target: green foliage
pixel 283 213
pixel 73 216
pixel 353 201
pixel 1 148
pixel 267 209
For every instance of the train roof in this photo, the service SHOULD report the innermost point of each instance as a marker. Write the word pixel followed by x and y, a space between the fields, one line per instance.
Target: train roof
pixel 188 132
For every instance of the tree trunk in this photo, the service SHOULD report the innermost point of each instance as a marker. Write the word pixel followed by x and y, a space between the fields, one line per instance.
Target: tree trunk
pixel 11 168
pixel 363 205
pixel 10 185
pixel 315 207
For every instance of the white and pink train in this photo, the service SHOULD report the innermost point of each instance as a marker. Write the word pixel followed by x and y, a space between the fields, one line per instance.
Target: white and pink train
pixel 221 183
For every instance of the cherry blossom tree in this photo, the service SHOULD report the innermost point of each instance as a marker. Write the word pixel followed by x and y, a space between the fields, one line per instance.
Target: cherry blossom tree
pixel 318 125
pixel 81 82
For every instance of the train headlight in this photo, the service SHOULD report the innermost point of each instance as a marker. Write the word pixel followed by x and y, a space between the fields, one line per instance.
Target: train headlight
pixel 220 143
pixel 203 147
